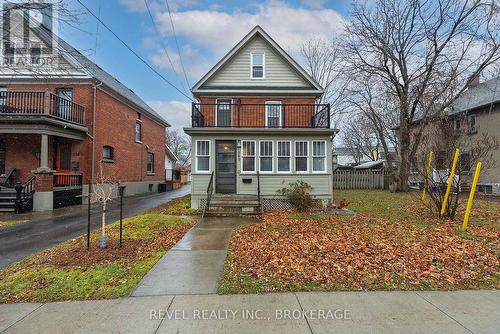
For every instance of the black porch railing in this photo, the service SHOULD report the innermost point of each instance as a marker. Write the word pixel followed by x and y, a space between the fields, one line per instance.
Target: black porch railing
pixel 268 115
pixel 24 195
pixel 14 103
pixel 210 191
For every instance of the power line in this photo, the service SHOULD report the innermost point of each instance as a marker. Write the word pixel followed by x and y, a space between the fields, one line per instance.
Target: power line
pixel 176 42
pixel 163 45
pixel 135 53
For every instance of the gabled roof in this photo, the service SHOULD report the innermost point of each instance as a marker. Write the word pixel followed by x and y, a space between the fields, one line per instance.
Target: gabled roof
pixel 483 94
pixel 73 56
pixel 171 154
pixel 258 31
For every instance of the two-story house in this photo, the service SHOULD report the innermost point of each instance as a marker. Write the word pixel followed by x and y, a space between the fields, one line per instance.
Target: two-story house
pixel 257 127
pixel 62 118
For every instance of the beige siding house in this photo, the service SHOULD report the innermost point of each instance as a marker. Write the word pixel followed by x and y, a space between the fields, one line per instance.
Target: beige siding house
pixel 257 127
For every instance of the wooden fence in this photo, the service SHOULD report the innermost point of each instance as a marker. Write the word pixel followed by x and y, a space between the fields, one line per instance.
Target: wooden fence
pixel 353 179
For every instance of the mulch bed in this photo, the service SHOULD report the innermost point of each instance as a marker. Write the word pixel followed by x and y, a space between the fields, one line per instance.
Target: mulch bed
pixel 77 255
pixel 365 254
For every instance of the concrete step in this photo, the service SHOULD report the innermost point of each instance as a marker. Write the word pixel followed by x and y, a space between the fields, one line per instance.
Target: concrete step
pixel 234 197
pixel 234 203
pixel 7 209
pixel 7 203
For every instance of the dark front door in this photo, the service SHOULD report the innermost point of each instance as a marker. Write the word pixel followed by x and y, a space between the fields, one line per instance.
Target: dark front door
pixel 224 113
pixel 225 169
pixel 63 158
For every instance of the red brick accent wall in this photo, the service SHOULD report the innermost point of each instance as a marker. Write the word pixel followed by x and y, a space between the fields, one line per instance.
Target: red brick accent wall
pixel 43 182
pixel 115 126
pixel 297 111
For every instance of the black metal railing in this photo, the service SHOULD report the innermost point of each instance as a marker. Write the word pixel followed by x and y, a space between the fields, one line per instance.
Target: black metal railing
pixel 41 104
pixel 210 191
pixel 24 195
pixel 258 192
pixel 263 115
pixel 67 180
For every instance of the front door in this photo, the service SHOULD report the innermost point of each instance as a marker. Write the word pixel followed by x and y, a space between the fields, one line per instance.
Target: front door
pixel 224 117
pixel 63 158
pixel 225 169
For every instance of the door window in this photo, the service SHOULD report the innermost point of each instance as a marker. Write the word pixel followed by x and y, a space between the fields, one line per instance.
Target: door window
pixel 64 102
pixel 273 114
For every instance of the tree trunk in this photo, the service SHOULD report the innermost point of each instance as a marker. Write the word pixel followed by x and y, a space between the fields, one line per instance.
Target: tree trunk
pixel 103 226
pixel 404 153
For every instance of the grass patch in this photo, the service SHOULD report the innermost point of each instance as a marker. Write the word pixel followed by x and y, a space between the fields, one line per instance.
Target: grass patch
pixel 7 223
pixel 391 243
pixel 69 271
pixel 180 206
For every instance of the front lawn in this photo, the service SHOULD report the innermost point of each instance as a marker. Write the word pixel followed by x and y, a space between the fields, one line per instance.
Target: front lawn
pixel 391 243
pixel 69 271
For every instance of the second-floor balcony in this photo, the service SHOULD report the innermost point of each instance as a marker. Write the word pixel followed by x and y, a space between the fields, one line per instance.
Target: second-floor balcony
pixel 20 105
pixel 264 115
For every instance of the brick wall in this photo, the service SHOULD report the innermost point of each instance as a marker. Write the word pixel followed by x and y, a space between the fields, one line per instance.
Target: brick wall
pixel 115 126
pixel 297 111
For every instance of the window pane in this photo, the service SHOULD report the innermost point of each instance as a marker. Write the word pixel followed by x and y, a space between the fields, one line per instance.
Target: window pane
pixel 248 148
pixel 318 148
pixel 266 148
pixel 203 147
pixel 248 164
pixel 283 149
pixel 301 148
pixel 266 164
pixel 318 164
pixel 283 164
pixel 257 59
pixel 301 164
pixel 138 131
pixel 258 72
pixel 203 163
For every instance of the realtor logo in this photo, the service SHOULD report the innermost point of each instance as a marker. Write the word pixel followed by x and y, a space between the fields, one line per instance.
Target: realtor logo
pixel 28 34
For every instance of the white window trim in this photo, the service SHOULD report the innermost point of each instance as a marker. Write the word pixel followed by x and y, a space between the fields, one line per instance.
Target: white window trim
pixel 215 112
pixel 307 156
pixel 266 110
pixel 263 65
pixel 267 156
pixel 254 160
pixel 290 157
pixel 197 155
pixel 318 156
pixel 148 172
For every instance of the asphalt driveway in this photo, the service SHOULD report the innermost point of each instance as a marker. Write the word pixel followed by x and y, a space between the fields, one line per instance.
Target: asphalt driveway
pixel 19 241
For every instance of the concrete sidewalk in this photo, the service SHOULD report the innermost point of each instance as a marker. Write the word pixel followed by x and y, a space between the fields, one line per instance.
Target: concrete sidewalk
pixel 325 312
pixel 194 265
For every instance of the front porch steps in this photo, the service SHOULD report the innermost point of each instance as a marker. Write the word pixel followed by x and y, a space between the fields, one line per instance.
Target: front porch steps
pixel 7 199
pixel 233 205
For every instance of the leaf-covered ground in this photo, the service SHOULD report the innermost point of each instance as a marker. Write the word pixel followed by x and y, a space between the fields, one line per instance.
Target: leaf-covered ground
pixel 69 271
pixel 390 244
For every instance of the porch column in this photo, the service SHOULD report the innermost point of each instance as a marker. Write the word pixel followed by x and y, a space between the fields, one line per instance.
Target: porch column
pixel 43 199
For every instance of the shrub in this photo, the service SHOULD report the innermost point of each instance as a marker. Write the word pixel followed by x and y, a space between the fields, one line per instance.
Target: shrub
pixel 298 194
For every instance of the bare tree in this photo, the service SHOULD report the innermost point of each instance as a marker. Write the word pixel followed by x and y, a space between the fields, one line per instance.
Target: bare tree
pixel 179 144
pixel 427 53
pixel 360 138
pixel 322 61
pixel 104 191
pixel 442 137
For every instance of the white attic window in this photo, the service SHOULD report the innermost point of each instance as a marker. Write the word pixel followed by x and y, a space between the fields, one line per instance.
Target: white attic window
pixel 257 65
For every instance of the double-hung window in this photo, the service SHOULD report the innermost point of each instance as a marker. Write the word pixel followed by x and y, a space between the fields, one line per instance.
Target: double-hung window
pixel 284 156
pixel 471 122
pixel 247 156
pixel 138 128
pixel 257 65
pixel 150 165
pixel 319 156
pixel 266 156
pixel 301 156
pixel 202 155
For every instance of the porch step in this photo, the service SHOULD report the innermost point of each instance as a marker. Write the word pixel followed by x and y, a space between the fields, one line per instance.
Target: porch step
pixel 233 203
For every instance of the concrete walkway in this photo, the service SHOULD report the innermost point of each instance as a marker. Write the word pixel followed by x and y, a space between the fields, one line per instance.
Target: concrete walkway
pixel 194 265
pixel 48 229
pixel 341 312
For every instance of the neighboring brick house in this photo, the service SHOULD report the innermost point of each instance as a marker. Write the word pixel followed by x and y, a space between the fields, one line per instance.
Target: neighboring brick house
pixel 257 127
pixel 55 121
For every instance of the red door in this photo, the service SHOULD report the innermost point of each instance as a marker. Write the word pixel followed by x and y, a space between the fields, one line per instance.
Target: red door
pixel 63 158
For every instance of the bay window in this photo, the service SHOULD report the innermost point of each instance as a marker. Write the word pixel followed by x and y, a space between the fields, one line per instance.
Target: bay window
pixel 284 156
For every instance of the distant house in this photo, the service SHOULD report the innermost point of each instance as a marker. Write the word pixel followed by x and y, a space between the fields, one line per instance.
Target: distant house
pixel 170 161
pixel 474 115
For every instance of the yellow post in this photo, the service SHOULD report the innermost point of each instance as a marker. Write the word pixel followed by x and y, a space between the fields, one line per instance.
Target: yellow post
pixel 450 182
pixel 428 171
pixel 471 197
